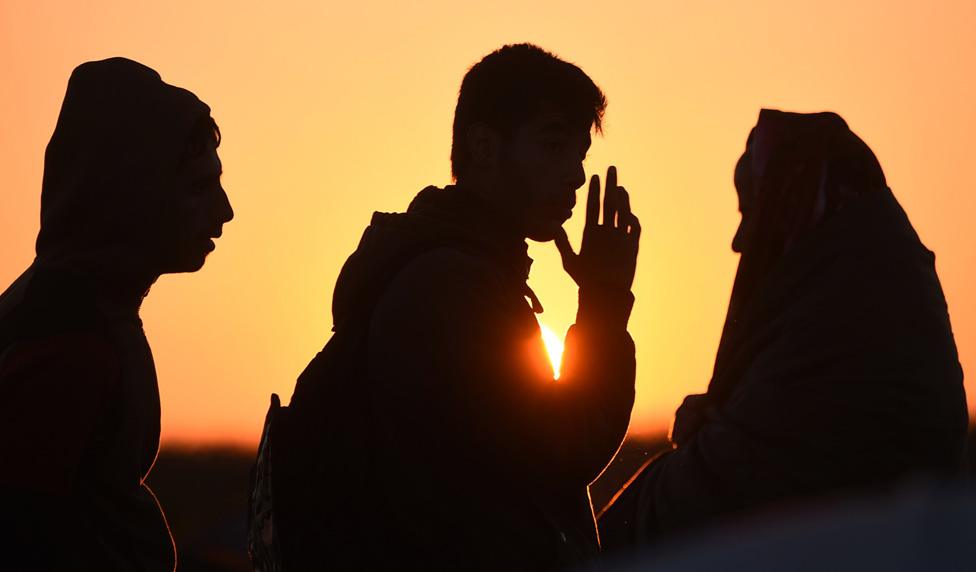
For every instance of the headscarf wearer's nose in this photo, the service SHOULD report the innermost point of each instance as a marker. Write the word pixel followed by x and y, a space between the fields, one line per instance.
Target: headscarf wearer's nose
pixel 120 137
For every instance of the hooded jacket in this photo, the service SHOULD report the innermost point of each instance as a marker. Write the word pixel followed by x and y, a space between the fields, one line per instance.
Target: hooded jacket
pixel 466 454
pixel 80 414
pixel 837 371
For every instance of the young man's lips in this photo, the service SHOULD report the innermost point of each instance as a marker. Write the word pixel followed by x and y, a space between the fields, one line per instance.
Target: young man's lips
pixel 564 214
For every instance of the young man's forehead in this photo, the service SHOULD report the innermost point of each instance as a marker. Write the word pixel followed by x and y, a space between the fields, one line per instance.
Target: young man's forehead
pixel 559 123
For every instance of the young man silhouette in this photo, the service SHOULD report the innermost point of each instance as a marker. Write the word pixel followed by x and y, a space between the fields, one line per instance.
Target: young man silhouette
pixel 446 443
pixel 131 191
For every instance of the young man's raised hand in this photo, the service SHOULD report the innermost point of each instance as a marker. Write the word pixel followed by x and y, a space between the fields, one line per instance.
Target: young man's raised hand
pixel 608 254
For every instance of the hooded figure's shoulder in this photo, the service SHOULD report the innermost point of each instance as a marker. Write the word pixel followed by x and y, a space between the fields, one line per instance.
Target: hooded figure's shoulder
pixel 43 304
pixel 49 329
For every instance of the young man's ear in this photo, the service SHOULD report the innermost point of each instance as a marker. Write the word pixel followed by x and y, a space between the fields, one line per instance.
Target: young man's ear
pixel 484 146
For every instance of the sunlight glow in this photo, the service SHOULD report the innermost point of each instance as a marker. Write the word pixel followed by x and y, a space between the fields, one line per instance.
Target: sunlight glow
pixel 554 347
pixel 347 136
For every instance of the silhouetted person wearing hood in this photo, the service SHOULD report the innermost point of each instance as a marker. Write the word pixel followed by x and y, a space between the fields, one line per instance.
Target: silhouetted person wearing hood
pixel 837 372
pixel 446 442
pixel 131 191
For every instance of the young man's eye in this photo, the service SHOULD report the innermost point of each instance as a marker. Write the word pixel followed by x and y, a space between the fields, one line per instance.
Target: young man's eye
pixel 205 186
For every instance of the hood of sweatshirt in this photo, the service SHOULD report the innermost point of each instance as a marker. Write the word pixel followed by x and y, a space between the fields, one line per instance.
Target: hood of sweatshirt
pixel 436 218
pixel 120 137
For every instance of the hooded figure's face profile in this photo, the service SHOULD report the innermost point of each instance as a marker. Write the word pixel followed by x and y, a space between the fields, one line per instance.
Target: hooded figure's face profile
pixel 131 174
pixel 193 213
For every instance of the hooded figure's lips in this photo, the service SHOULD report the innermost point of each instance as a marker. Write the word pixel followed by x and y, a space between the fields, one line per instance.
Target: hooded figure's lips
pixel 209 239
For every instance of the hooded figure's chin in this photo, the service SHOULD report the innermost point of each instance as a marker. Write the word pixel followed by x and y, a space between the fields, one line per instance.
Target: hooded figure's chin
pixel 194 263
pixel 183 263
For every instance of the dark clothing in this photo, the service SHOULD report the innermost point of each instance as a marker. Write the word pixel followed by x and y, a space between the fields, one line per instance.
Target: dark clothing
pixel 80 414
pixel 80 419
pixel 836 373
pixel 470 455
pixel 919 529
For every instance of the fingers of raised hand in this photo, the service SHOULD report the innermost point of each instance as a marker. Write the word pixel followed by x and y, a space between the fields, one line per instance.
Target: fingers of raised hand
pixel 623 209
pixel 593 202
pixel 627 221
pixel 568 255
pixel 563 245
pixel 610 198
pixel 634 228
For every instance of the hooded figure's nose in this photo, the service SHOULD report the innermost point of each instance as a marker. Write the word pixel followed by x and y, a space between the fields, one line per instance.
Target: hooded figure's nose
pixel 226 210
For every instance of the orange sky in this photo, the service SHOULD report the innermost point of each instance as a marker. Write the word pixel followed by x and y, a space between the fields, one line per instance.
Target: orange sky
pixel 330 112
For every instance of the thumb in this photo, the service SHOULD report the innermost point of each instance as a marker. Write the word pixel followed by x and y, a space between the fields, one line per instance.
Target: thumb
pixel 566 251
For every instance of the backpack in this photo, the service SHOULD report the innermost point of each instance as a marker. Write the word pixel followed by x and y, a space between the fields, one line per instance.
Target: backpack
pixel 307 511
pixel 262 538
pixel 301 499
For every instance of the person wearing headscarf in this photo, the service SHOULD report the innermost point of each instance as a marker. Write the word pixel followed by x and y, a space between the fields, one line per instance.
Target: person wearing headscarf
pixel 837 372
pixel 131 191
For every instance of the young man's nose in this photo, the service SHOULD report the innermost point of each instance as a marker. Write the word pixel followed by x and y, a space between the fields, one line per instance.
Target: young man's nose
pixel 578 176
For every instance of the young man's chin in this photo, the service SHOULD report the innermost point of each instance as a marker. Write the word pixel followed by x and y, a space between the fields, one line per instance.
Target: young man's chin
pixel 545 232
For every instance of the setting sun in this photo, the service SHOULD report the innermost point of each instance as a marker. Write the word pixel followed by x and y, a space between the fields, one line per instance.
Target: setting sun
pixel 554 347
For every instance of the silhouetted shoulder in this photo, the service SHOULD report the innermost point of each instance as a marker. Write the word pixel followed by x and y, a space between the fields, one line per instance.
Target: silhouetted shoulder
pixel 437 299
pixel 446 270
pixel 78 355
pixel 57 390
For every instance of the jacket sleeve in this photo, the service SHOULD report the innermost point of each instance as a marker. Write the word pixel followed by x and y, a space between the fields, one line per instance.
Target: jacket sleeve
pixel 459 367
pixel 720 467
pixel 821 410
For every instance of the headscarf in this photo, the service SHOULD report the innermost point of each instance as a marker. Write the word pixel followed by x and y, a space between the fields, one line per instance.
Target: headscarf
pixel 802 169
pixel 799 169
